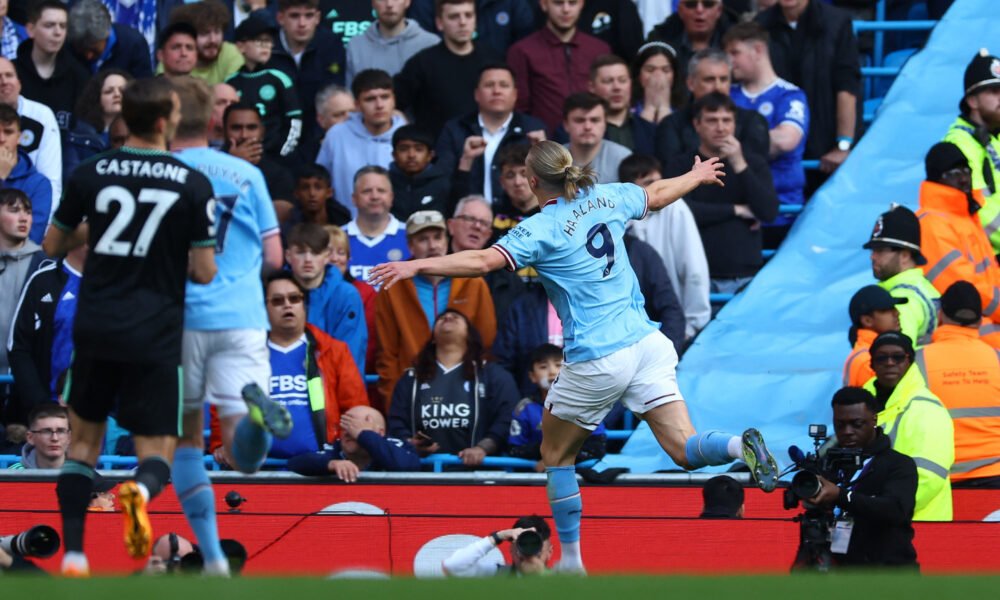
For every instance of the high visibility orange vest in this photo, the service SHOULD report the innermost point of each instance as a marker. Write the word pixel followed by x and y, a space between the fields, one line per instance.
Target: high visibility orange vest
pixel 858 366
pixel 964 373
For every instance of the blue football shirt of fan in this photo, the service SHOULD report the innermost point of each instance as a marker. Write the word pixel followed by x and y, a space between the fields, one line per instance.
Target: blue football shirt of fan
pixel 577 249
pixel 289 388
pixel 244 216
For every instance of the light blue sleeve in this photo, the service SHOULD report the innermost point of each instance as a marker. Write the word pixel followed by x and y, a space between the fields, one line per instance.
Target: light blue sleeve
pixel 795 110
pixel 634 199
pixel 523 245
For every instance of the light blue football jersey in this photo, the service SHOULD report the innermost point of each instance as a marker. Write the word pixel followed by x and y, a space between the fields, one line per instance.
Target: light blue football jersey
pixel 244 216
pixel 578 251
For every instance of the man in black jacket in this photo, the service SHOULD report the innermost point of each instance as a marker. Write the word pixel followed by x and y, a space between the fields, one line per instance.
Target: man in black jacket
pixel 877 504
pixel 694 27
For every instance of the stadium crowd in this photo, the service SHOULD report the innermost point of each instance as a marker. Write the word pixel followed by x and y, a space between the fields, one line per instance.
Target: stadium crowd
pixel 400 129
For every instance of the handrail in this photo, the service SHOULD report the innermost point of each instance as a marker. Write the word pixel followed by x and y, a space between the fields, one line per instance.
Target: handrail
pixel 865 26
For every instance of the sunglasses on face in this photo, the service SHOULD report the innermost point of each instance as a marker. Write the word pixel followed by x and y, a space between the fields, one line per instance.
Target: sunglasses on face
pixel 883 359
pixel 706 4
pixel 277 301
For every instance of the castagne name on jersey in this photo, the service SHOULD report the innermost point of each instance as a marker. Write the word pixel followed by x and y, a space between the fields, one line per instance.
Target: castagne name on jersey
pixel 142 168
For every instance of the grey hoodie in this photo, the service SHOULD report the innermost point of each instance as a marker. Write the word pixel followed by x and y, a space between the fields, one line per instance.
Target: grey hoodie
pixel 14 267
pixel 372 51
pixel 28 460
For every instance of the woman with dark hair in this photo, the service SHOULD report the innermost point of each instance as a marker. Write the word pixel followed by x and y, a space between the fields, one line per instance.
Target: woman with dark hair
pixel 452 401
pixel 657 88
pixel 101 99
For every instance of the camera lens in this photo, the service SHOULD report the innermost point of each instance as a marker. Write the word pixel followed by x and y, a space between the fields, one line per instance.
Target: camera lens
pixel 528 544
pixel 805 485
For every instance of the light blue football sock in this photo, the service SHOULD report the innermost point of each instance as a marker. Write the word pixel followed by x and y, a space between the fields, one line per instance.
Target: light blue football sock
pixel 708 448
pixel 250 445
pixel 566 502
pixel 194 490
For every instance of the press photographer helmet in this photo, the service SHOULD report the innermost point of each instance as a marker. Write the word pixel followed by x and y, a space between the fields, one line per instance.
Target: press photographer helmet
pixel 41 541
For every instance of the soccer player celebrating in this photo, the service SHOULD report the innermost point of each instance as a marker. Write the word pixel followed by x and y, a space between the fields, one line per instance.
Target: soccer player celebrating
pixel 147 212
pixel 613 351
pixel 225 356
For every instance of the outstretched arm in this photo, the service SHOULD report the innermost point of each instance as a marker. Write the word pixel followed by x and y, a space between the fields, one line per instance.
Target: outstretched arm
pixel 665 191
pixel 468 263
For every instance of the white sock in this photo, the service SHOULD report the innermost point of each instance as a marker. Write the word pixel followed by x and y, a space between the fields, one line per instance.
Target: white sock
pixel 143 490
pixel 570 557
pixel 735 447
pixel 75 559
pixel 217 568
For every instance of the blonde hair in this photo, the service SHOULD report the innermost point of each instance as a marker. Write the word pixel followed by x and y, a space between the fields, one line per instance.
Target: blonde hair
pixel 338 238
pixel 553 165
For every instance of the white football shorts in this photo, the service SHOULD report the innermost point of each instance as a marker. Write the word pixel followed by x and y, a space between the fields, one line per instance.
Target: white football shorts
pixel 218 364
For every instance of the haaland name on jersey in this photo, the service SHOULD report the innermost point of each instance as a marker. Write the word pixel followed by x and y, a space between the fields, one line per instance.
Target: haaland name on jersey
pixel 142 168
pixel 578 212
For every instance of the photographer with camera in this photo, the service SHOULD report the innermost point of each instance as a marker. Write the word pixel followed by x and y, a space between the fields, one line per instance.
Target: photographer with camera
pixel 41 541
pixel 871 504
pixel 530 552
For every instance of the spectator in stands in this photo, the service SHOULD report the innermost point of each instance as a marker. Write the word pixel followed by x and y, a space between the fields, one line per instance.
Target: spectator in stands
pixel 552 63
pixel 312 374
pixel 314 199
pixel 722 498
pixel 117 133
pixel 525 439
pixel 881 502
pixel 963 372
pixel 224 96
pixel 468 561
pixel 340 256
pixel 517 202
pixel 388 42
pixel 362 446
pixel 41 338
pixel 437 83
pixel 48 73
pixel 334 103
pixel 405 313
pixel 217 59
pixel 365 138
pixel 673 233
pixel 499 23
pixel 311 56
pixel 39 131
pixel 177 49
pixel 19 173
pixel 529 322
pixel 656 82
pixel 916 422
pixel 954 242
pixel 814 47
pixel 873 311
pixel 376 236
pixel 584 120
pixel 662 305
pixel 976 132
pixel 696 26
pixel 100 44
pixel 616 23
pixel 48 439
pixel 100 101
pixel 417 183
pixel 270 90
pixel 784 106
pixel 469 145
pixel 334 306
pixel 12 33
pixel 611 80
pixel 708 72
pixel 452 401
pixel 244 132
pixel 896 258
pixel 729 217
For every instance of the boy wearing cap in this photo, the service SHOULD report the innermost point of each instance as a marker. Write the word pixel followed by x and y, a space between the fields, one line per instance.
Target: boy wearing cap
pixel 270 90
pixel 962 370
pixel 955 244
pixel 896 261
pixel 405 312
pixel 873 311
pixel 976 132
pixel 916 422
pixel 417 183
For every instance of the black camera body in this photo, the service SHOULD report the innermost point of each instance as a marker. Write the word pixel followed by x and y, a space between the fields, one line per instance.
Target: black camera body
pixel 41 541
pixel 837 465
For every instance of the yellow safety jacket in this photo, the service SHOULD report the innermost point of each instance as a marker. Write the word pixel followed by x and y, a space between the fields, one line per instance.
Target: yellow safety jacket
pixel 920 427
pixel 918 317
pixel 984 160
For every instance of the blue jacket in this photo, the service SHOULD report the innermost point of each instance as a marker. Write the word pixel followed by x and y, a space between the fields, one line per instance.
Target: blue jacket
pixel 499 23
pixel 127 50
pixel 25 177
pixel 387 454
pixel 335 307
pixel 80 143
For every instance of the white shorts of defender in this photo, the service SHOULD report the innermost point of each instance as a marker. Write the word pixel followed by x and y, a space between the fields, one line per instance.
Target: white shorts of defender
pixel 218 364
pixel 643 376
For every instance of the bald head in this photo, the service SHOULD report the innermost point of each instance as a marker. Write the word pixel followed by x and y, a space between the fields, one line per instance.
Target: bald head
pixel 369 417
